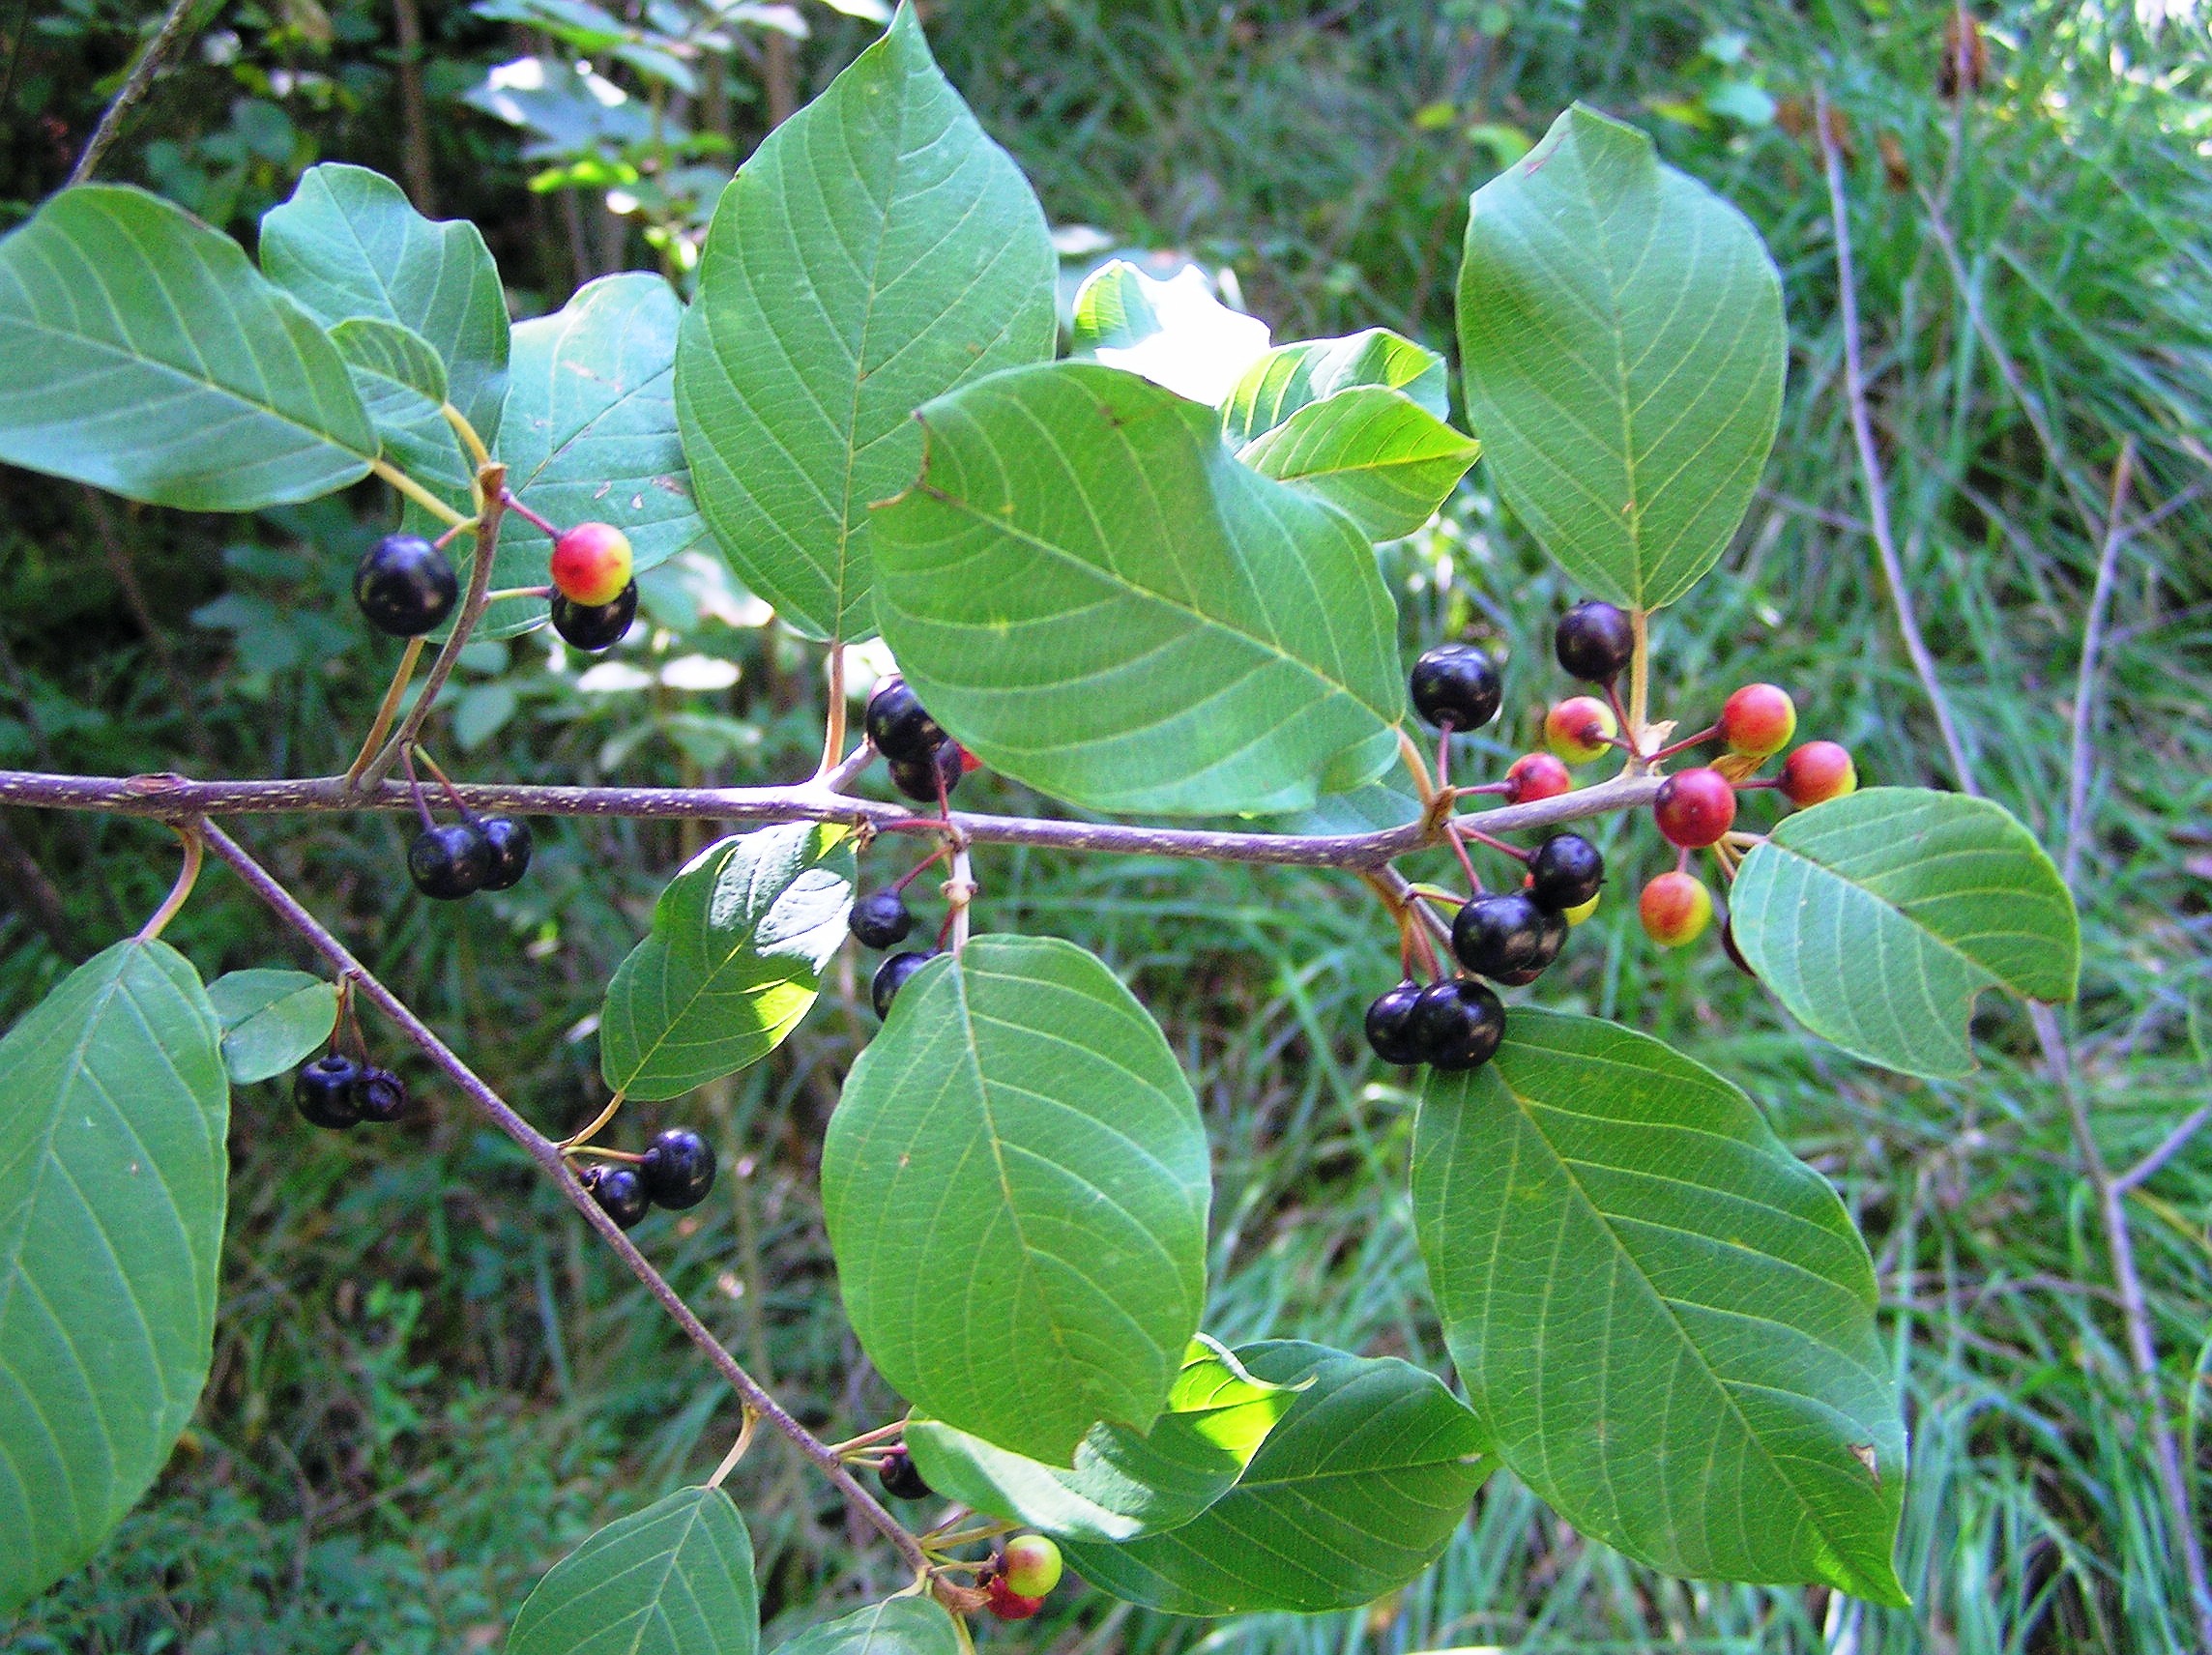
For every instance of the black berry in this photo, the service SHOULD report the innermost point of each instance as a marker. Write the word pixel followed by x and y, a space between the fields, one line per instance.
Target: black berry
pixel 1456 685
pixel 1497 936
pixel 450 861
pixel 404 586
pixel 1458 1023
pixel 618 1191
pixel 596 626
pixel 881 918
pixel 918 780
pixel 1734 953
pixel 1566 872
pixel 327 1091
pixel 1594 641
pixel 891 977
pixel 1390 1026
pixel 898 727
pixel 382 1095
pixel 679 1168
pixel 510 842
pixel 901 1479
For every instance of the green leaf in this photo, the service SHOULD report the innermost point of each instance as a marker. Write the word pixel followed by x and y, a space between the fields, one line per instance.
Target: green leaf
pixel 1019 1142
pixel 1123 1483
pixel 589 434
pixel 1174 333
pixel 675 1579
pixel 1354 1493
pixel 897 1626
pixel 140 353
pixel 272 1021
pixel 1290 377
pixel 739 940
pixel 1878 916
pixel 402 384
pixel 1621 334
pixel 1663 1317
pixel 1095 596
pixel 348 246
pixel 875 251
pixel 113 1111
pixel 1376 455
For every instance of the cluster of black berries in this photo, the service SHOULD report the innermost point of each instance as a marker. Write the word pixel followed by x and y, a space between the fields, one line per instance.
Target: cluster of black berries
pixel 676 1172
pixel 337 1091
pixel 881 920
pixel 1509 937
pixel 925 763
pixel 480 853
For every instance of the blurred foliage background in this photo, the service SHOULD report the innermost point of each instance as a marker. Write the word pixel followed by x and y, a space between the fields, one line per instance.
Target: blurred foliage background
pixel 428 1383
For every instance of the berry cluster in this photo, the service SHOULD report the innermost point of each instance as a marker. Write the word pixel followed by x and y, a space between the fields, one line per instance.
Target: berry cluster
pixel 925 763
pixel 676 1172
pixel 337 1091
pixel 459 859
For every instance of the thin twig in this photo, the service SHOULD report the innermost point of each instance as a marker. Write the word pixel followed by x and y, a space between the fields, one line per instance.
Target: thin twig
pixel 386 710
pixel 2169 1146
pixel 169 798
pixel 547 1155
pixel 491 483
pixel 165 40
pixel 187 876
pixel 2085 680
pixel 1870 461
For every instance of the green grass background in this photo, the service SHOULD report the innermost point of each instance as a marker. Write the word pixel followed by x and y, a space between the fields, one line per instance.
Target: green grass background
pixel 428 1383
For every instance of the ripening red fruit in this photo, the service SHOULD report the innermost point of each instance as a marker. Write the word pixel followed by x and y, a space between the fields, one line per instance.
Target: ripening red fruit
pixel 1030 1565
pixel 592 564
pixel 1002 1600
pixel 1817 772
pixel 1694 808
pixel 1578 728
pixel 1538 775
pixel 1759 721
pixel 1676 908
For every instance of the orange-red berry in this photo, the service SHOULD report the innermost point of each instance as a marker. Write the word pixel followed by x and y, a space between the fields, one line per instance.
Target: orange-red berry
pixel 1759 719
pixel 1002 1600
pixel 1675 909
pixel 1580 728
pixel 1694 808
pixel 1538 775
pixel 592 564
pixel 1817 772
pixel 1030 1565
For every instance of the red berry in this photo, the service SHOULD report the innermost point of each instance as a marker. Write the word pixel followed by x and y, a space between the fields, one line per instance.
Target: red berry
pixel 1676 908
pixel 1578 728
pixel 1817 772
pixel 1538 775
pixel 592 564
pixel 1759 719
pixel 1002 1600
pixel 1030 1565
pixel 1694 807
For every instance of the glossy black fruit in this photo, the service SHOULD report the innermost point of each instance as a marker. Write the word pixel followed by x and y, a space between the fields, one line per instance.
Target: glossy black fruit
pixel 381 1096
pixel 891 977
pixel 328 1092
pixel 618 1191
pixel 404 586
pixel 1458 1023
pixel 510 842
pixel 450 861
pixel 1497 936
pixel 596 626
pixel 900 1479
pixel 881 918
pixel 1456 685
pixel 1566 873
pixel 1593 641
pixel 918 778
pixel 898 727
pixel 1734 953
pixel 679 1168
pixel 1389 1025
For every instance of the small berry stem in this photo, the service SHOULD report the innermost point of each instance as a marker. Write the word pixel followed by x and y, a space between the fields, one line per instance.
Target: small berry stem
pixel 1444 754
pixel 1513 851
pixel 882 1432
pixel 505 592
pixel 625 1156
pixel 1505 790
pixel 513 503
pixel 1438 893
pixel 454 534
pixel 1417 768
pixel 186 877
pixel 1639 670
pixel 1628 728
pixel 1753 784
pixel 446 782
pixel 415 786
pixel 921 867
pixel 577 1140
pixel 385 710
pixel 1452 832
pixel 1673 747
pixel 1682 860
